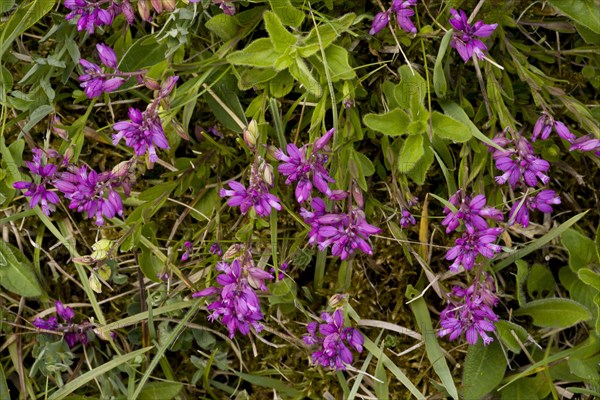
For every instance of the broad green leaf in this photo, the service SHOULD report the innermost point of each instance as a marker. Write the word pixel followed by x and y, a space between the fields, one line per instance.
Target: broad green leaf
pixel 16 272
pixel 505 330
pixel 540 282
pixel 160 390
pixel 300 71
pixel 439 78
pixel 337 60
pixel 448 128
pixel 392 123
pixel 581 249
pixel 82 380
pixel 554 313
pixel 22 19
pixel 250 77
pixel 419 172
pixel 280 37
pixel 585 12
pixel 589 277
pixel 150 264
pixel 582 293
pixel 324 34
pixel 37 115
pixel 484 369
pixel 271 383
pixel 432 347
pixel 288 14
pixel 260 53
pixel 410 86
pixel 6 5
pixel 523 389
pixel 222 25
pixel 455 111
pixel 411 152
pixel 143 53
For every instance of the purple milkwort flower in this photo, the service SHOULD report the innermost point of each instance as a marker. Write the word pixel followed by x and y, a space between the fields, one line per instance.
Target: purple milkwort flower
pixel 95 82
pixel 403 14
pixel 470 311
pixel 520 164
pixel 546 123
pixel 188 248
pixel 379 22
pixel 407 219
pixel 256 196
pixel 73 333
pixel 470 245
pixel 345 232
pixel 237 306
pixel 464 40
pixel 143 132
pixel 282 268
pixel 307 170
pixel 91 193
pixel 39 193
pixel 332 341
pixel 312 218
pixel 215 248
pixel 543 202
pixel 91 14
pixel 471 211
pixel 586 143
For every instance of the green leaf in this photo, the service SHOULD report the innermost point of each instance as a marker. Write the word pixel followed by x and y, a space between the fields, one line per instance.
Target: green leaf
pixel 260 53
pixel 581 249
pixel 280 37
pixel 324 34
pixel 447 127
pixel 432 347
pixel 505 330
pixel 37 115
pixel 288 14
pixel 522 272
pixel 455 111
pixel 271 383
pixel 143 53
pixel 540 282
pixel 411 152
pixel 410 86
pixel 337 60
pixel 589 277
pixel 523 389
pixel 585 12
pixel 16 272
pixel 393 123
pixel 300 71
pixel 6 5
pixel 554 313
pixel 484 369
pixel 222 25
pixel 419 172
pixel 439 78
pixel 250 77
pixel 22 19
pixel 82 380
pixel 160 390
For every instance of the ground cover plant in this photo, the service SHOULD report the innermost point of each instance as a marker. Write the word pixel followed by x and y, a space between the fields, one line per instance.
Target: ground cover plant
pixel 291 199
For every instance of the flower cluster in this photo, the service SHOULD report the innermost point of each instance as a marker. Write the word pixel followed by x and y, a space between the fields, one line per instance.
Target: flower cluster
pixel 237 305
pixel 307 171
pixel 73 333
pixel 95 81
pixel 91 14
pixel 333 341
pixel 546 123
pixel 403 15
pixel 144 131
pixel 465 36
pixel 470 245
pixel 543 202
pixel 469 311
pixel 471 211
pixel 88 191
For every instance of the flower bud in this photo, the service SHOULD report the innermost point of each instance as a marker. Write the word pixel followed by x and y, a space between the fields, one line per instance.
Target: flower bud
pixel 357 196
pixel 337 300
pixel 379 22
pixel 251 134
pixel 266 171
pixel 151 83
pixel 144 10
pixel 60 132
pixel 233 251
pixel 169 5
pixel 128 11
pixel 157 5
pixel 167 86
pixel 121 169
pixel 323 140
pixel 107 55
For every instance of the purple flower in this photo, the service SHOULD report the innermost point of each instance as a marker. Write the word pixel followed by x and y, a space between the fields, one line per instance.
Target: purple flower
pixel 544 126
pixel 469 311
pixel 237 306
pixel 107 55
pixel 143 132
pixel 215 248
pixel 91 14
pixel 39 193
pixel 91 193
pixel 464 39
pixel 307 171
pixel 282 268
pixel 470 245
pixel 407 219
pixel 543 202
pixel 188 249
pixel 345 233
pixel 471 211
pixel 95 82
pixel 73 333
pixel 586 143
pixel 379 22
pixel 520 164
pixel 333 341
pixel 403 14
